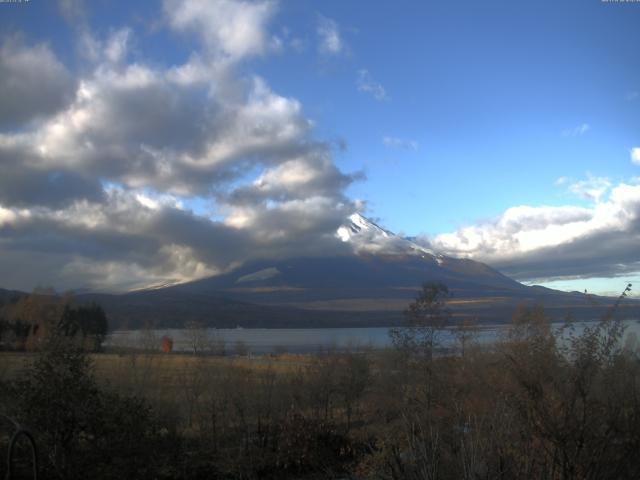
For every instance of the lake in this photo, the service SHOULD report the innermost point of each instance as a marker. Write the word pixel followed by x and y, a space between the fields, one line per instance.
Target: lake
pixel 262 341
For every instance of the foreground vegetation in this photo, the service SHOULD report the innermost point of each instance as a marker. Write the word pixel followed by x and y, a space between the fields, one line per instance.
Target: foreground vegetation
pixel 528 407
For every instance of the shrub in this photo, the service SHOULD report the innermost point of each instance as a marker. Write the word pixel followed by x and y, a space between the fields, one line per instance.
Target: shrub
pixel 81 430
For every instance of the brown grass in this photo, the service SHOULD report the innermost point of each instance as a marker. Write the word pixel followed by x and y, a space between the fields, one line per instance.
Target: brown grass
pixel 166 369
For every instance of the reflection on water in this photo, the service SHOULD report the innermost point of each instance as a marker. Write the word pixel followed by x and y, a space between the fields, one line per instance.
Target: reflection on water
pixel 300 340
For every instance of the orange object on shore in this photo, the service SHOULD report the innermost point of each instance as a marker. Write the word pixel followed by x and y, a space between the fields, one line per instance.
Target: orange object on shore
pixel 167 344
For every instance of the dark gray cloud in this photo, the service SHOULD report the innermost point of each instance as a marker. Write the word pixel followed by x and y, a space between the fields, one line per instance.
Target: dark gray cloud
pixel 27 182
pixel 600 255
pixel 121 244
pixel 34 84
pixel 55 189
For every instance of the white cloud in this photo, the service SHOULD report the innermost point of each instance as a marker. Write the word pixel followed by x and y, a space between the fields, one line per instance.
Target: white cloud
pixel 365 83
pixel 330 40
pixel 576 131
pixel 538 243
pixel 395 142
pixel 116 48
pixel 72 10
pixel 230 29
pixel 155 201
pixel 145 127
pixel 635 155
pixel 593 188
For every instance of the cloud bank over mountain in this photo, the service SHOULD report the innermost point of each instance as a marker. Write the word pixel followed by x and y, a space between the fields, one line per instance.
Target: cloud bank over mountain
pixel 101 168
pixel 550 242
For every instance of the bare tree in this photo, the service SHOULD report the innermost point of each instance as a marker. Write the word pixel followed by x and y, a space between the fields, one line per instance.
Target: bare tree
pixel 466 332
pixel 147 339
pixel 197 337
pixel 426 318
pixel 353 378
pixel 218 345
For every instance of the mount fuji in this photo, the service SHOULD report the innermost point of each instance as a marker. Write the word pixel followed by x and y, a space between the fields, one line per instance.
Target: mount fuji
pixel 372 286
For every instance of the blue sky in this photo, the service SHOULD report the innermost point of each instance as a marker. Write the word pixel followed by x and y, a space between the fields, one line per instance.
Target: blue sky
pixel 486 90
pixel 439 117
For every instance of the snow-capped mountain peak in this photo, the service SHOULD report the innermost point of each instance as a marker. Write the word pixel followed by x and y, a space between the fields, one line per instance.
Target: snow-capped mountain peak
pixel 357 224
pixel 367 237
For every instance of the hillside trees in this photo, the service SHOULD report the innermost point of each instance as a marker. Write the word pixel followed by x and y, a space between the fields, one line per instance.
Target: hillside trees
pixel 30 321
pixel 86 322
pixel 537 404
pixel 576 398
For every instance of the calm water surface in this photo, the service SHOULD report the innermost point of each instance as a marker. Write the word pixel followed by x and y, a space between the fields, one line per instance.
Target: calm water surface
pixel 303 340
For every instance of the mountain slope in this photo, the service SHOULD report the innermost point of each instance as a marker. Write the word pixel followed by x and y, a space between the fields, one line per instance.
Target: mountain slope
pixel 370 287
pixel 380 260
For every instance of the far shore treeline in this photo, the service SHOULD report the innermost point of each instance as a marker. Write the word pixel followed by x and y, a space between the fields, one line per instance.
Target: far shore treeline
pixel 28 321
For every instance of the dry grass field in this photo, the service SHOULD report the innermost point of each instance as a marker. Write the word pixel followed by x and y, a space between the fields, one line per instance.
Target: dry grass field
pixel 163 369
